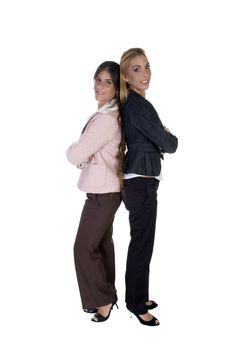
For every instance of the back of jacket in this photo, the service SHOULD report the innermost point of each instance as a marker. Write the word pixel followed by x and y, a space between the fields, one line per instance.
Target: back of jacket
pixel 145 136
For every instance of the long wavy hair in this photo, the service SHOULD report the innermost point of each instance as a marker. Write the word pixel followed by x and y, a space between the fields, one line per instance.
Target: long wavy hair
pixel 113 69
pixel 124 65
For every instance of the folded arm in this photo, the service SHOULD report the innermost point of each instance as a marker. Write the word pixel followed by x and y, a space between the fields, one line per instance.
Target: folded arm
pixel 146 120
pixel 95 137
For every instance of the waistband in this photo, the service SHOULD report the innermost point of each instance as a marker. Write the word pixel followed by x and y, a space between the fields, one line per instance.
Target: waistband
pixel 141 181
pixel 141 147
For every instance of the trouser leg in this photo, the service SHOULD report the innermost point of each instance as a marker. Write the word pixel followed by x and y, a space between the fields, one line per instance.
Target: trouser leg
pixel 94 250
pixel 141 201
pixel 108 254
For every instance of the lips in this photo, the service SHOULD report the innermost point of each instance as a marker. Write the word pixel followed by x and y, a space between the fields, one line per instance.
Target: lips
pixel 99 92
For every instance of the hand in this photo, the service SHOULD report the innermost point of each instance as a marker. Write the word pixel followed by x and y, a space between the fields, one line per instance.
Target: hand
pixel 81 166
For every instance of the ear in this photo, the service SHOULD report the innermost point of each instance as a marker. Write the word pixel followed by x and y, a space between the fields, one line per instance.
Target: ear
pixel 126 79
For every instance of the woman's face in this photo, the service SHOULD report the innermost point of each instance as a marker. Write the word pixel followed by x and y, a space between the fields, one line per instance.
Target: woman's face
pixel 104 88
pixel 138 74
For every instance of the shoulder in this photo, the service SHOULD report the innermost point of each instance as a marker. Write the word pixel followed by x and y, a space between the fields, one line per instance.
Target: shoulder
pixel 134 98
pixel 113 114
pixel 110 116
pixel 138 104
pixel 106 122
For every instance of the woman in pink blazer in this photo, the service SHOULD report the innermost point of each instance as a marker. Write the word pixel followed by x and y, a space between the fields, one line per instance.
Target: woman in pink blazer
pixel 99 153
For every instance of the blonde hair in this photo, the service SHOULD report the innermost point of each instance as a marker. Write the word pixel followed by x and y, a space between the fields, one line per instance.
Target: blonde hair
pixel 124 64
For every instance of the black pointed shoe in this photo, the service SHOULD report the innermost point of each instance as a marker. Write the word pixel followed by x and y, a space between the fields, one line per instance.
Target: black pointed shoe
pixel 153 305
pixel 152 322
pixel 100 318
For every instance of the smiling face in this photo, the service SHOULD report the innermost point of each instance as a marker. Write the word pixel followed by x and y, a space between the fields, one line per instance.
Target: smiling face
pixel 104 87
pixel 138 74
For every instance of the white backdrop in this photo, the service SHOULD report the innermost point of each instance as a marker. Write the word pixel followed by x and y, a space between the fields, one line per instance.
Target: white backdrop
pixel 49 52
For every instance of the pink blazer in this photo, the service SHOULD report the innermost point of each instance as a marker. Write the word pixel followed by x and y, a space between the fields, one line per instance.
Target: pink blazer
pixel 95 152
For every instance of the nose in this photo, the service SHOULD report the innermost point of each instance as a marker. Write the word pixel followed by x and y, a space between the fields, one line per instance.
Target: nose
pixel 146 73
pixel 99 83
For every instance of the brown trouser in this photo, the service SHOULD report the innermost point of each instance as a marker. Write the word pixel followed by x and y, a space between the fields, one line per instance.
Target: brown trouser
pixel 94 250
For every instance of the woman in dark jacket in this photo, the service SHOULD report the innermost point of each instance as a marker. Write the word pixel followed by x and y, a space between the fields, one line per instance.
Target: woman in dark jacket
pixel 147 140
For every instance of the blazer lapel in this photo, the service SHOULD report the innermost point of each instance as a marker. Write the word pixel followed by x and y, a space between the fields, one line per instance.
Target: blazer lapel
pixel 88 122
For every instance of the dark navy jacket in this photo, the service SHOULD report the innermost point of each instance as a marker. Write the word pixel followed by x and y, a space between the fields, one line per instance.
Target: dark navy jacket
pixel 145 136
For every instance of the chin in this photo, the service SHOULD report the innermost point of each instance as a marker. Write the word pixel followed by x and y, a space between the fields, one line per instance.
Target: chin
pixel 145 87
pixel 97 98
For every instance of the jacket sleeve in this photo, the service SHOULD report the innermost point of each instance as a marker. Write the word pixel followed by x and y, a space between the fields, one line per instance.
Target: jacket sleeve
pixel 145 118
pixel 96 136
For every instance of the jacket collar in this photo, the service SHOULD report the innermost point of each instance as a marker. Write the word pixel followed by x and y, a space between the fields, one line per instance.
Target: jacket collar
pixel 108 107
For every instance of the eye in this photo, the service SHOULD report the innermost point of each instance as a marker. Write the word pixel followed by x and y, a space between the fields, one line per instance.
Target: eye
pixel 148 66
pixel 136 69
pixel 109 82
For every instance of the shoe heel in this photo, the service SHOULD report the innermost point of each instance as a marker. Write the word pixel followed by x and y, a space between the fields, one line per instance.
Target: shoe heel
pixel 115 303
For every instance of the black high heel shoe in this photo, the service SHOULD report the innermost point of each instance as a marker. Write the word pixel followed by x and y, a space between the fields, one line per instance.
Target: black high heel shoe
pixel 90 310
pixel 100 318
pixel 152 322
pixel 153 305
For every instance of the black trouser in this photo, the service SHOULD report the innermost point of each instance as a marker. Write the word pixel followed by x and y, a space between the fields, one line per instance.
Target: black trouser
pixel 140 198
pixel 94 250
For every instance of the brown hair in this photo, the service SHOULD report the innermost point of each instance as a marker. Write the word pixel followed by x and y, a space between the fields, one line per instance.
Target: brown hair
pixel 121 155
pixel 114 70
pixel 124 64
